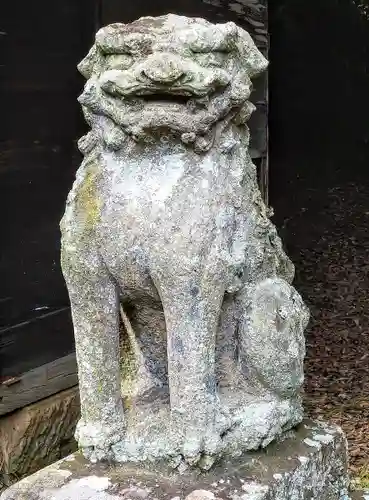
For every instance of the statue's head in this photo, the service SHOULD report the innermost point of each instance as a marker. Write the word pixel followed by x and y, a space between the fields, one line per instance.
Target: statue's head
pixel 170 74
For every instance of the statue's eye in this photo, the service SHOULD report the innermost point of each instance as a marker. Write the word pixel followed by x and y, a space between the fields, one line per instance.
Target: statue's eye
pixel 118 61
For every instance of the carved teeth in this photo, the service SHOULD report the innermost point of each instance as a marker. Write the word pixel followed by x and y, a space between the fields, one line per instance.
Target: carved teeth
pixel 188 137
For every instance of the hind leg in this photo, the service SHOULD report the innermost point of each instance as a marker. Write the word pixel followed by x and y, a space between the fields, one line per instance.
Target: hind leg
pixel 271 336
pixel 94 304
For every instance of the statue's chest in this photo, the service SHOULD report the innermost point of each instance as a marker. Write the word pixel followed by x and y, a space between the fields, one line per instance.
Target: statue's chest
pixel 136 182
pixel 159 181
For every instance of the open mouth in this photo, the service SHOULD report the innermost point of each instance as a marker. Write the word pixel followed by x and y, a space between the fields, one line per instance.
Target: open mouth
pixel 167 98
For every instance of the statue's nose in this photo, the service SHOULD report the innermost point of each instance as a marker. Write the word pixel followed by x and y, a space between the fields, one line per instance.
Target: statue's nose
pixel 163 68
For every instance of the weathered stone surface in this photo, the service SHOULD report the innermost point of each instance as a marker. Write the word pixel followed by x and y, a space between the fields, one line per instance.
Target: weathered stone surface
pixel 38 435
pixel 309 464
pixel 359 495
pixel 165 223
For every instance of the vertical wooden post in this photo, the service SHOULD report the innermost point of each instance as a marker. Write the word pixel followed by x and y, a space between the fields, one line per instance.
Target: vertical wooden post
pixel 255 21
pixel 264 178
pixel 98 14
pixel 264 166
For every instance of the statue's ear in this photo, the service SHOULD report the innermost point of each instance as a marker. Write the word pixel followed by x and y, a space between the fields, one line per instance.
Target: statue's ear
pixel 252 59
pixel 228 41
pixel 110 39
pixel 216 38
pixel 91 63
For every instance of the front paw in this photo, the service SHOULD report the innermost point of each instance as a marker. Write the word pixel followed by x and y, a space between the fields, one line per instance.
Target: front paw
pixel 201 440
pixel 201 446
pixel 95 439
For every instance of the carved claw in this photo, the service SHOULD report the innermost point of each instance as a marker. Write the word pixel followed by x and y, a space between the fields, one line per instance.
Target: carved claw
pixel 202 442
pixel 200 448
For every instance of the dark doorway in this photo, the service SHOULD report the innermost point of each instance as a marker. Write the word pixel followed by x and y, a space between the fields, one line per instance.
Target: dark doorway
pixel 319 104
pixel 43 42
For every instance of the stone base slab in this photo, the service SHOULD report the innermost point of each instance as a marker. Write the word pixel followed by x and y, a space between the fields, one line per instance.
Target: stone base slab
pixel 309 464
pixel 253 422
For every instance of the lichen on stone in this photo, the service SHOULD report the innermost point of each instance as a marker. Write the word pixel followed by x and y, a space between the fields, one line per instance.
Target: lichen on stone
pixel 87 202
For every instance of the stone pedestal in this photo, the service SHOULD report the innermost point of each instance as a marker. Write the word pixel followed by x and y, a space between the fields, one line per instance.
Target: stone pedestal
pixel 310 463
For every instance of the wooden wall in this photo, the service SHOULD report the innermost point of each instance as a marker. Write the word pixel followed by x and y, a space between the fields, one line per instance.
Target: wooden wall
pixel 42 41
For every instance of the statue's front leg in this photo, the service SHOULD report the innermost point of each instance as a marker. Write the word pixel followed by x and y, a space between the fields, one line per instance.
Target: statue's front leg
pixel 192 308
pixel 95 313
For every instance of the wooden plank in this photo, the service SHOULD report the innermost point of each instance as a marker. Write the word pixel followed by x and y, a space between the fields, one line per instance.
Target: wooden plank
pixel 37 384
pixel 35 341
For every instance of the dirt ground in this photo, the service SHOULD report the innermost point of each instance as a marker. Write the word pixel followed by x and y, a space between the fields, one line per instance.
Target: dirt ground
pixel 324 223
pixel 320 193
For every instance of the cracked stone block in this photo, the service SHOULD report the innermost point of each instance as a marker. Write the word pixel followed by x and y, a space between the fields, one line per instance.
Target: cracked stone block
pixel 38 434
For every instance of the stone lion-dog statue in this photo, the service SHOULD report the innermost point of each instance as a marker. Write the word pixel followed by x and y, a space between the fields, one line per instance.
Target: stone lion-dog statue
pixel 189 337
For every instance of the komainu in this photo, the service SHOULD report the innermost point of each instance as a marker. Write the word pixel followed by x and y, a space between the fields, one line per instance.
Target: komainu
pixel 189 335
